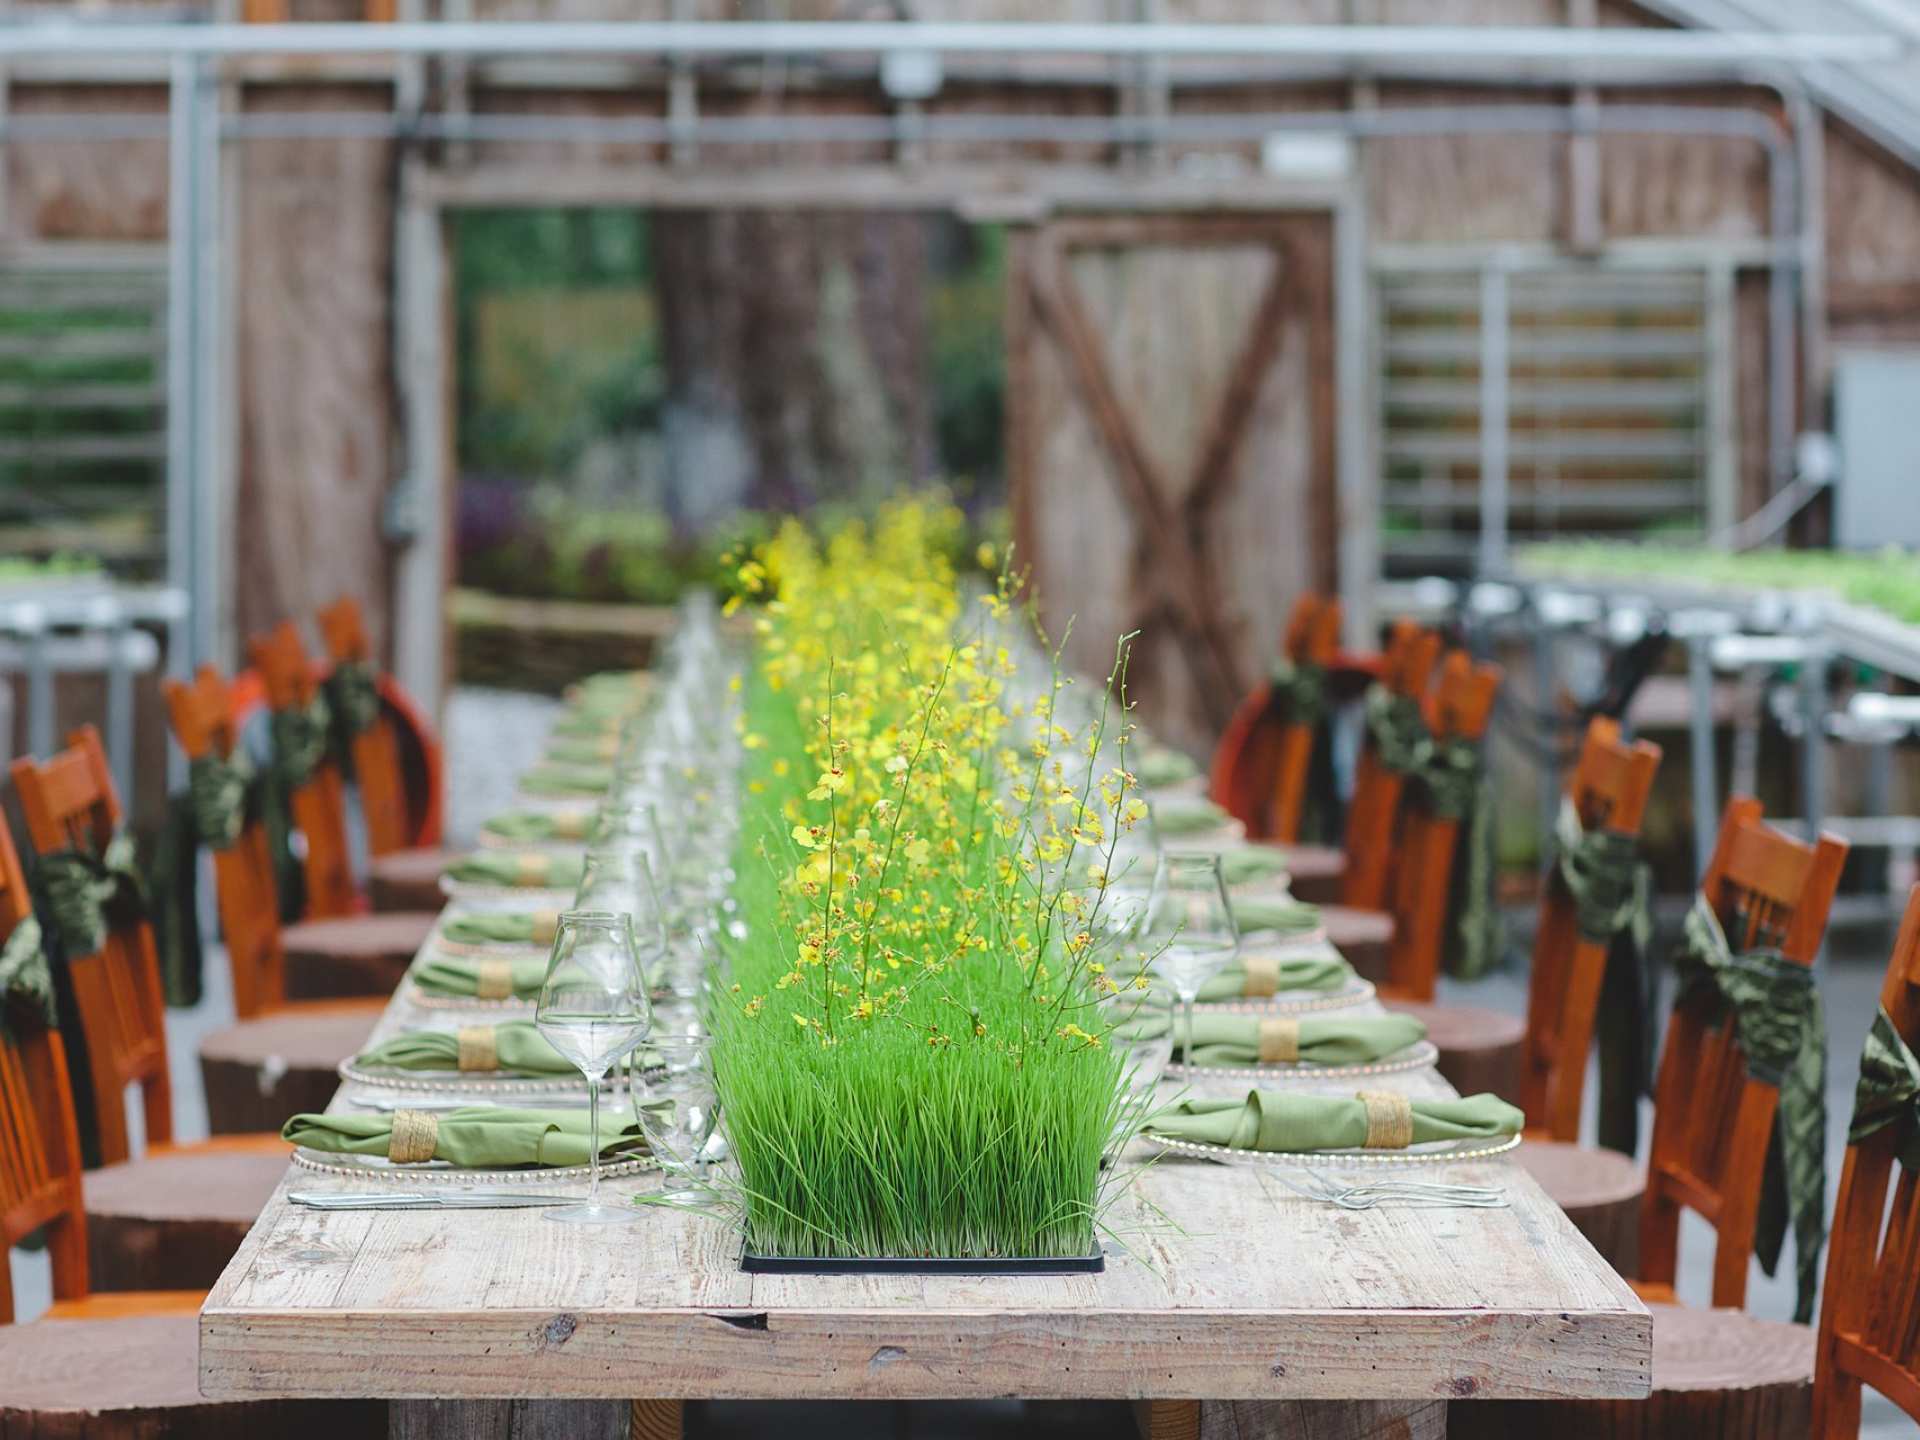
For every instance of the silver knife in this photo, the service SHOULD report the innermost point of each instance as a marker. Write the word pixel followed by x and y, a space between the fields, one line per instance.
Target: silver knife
pixel 419 1200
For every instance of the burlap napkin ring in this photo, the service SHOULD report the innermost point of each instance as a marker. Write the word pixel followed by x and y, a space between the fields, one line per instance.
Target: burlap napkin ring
pixel 545 924
pixel 1263 975
pixel 532 869
pixel 493 980
pixel 1389 1119
pixel 478 1049
pixel 416 1134
pixel 1279 1040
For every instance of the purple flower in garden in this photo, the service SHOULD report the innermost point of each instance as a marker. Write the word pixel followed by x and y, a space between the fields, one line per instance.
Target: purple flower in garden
pixel 490 512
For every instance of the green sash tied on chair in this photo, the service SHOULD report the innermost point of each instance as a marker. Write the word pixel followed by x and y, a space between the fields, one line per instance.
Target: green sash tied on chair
pixel 1300 691
pixel 1455 784
pixel 220 790
pixel 353 695
pixel 1776 1010
pixel 26 980
pixel 1397 730
pixel 89 895
pixel 1888 1093
pixel 302 739
pixel 1612 893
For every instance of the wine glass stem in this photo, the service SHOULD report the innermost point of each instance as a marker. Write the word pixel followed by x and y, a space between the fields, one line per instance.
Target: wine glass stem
pixel 593 1139
pixel 1187 997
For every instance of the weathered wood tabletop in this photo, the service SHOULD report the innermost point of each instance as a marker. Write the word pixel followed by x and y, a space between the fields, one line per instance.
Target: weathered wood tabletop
pixel 1221 1283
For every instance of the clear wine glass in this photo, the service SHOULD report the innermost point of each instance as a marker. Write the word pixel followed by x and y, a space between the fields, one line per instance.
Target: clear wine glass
pixel 618 879
pixel 1190 922
pixel 678 1105
pixel 1134 1020
pixel 593 1009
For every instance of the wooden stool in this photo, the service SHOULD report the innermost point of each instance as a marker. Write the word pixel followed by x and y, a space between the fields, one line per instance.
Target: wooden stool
pixel 1364 937
pixel 171 1219
pixel 1715 1373
pixel 70 801
pixel 1479 1049
pixel 408 880
pixel 97 1366
pixel 353 956
pixel 260 1071
pixel 138 1376
pixel 1599 1189
pixel 1316 873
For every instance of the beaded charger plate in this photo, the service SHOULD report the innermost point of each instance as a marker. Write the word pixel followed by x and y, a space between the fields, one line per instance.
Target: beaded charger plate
pixel 532 897
pixel 1295 1002
pixel 440 1172
pixel 427 1000
pixel 491 949
pixel 490 1084
pixel 1417 1056
pixel 1431 1152
pixel 553 845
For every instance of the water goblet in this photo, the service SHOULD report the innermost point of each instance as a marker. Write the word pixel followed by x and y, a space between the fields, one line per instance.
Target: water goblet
pixel 1190 924
pixel 593 1009
pixel 678 1105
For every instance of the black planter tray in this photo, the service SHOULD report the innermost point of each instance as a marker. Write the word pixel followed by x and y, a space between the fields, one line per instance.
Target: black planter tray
pixel 754 1264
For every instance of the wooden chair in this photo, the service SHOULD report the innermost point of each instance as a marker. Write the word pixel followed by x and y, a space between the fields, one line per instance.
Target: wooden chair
pixel 1715 1371
pixel 104 1365
pixel 341 951
pixel 1869 1332
pixel 404 872
pixel 1609 789
pixel 173 1216
pixel 1262 766
pixel 283 1056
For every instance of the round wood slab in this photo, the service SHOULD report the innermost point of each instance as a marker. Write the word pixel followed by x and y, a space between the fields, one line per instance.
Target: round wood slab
pixel 1480 1050
pixel 1600 1191
pixel 352 955
pixel 407 880
pixel 139 1378
pixel 1362 936
pixel 172 1221
pixel 1315 872
pixel 258 1072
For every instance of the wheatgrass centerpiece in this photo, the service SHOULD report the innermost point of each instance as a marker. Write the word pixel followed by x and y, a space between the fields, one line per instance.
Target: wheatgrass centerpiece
pixel 908 1057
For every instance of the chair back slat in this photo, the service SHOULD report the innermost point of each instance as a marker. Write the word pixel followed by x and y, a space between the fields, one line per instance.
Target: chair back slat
pixel 1422 868
pixel 1374 814
pixel 319 806
pixel 377 770
pixel 1609 789
pixel 1313 638
pixel 205 722
pixel 116 989
pixel 1869 1331
pixel 1712 1120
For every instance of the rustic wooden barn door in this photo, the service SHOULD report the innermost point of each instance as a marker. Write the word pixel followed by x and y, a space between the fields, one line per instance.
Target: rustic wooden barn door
pixel 1170 394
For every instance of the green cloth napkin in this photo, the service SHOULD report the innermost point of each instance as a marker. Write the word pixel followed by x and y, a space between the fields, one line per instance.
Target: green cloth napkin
pixel 1161 765
pixel 500 927
pixel 1273 912
pixel 1252 865
pixel 534 826
pixel 1322 1039
pixel 1299 1124
pixel 585 724
pixel 567 780
pixel 591 751
pixel 450 976
pixel 1183 816
pixel 519 867
pixel 481 1137
pixel 520 1049
pixel 1313 969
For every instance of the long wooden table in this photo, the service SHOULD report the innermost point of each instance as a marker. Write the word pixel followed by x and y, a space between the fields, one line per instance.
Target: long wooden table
pixel 1221 1283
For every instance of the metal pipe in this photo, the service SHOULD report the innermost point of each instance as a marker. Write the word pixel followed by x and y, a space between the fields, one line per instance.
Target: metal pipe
pixel 183 476
pixel 1493 421
pixel 1478 44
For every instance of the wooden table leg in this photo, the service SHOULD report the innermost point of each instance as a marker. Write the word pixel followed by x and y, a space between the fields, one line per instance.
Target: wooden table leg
pixel 1291 1419
pixel 512 1420
pixel 656 1420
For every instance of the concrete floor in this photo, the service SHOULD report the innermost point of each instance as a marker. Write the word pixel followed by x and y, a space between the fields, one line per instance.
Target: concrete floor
pixel 493 735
